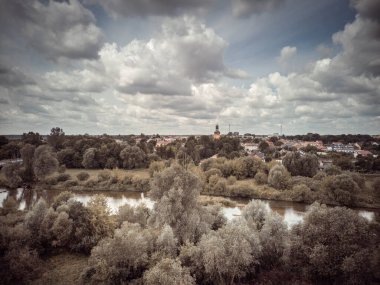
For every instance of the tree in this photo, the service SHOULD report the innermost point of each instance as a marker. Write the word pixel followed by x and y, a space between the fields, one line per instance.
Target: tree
pixel 27 154
pixel 3 140
pixel 263 146
pixel 32 138
pixel 45 162
pixel 304 165
pixel 120 259
pixel 169 272
pixel 167 243
pixel 341 189
pixel 332 246
pixel 90 159
pixel 133 157
pixel 11 172
pixel 176 191
pixel 278 177
pixel 344 162
pixel 230 253
pixel 56 138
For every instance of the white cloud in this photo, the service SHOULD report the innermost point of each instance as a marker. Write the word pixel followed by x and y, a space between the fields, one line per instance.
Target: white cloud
pixel 286 54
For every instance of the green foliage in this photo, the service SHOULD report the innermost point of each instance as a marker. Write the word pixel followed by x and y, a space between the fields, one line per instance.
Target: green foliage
pixel 45 162
pixel 170 272
pixel 11 172
pixel 304 165
pixel 261 178
pixel 340 189
pixel 332 245
pixel 83 176
pixel 133 157
pixel 279 177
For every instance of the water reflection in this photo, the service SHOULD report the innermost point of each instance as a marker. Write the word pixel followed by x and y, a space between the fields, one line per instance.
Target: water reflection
pixel 292 212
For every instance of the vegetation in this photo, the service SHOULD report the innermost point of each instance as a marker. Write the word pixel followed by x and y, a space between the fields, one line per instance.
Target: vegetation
pixel 180 241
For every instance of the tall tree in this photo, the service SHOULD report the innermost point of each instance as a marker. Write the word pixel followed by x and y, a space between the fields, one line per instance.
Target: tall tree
pixel 56 138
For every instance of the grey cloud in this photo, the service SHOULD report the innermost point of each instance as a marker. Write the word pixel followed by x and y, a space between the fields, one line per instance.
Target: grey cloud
pixel 245 8
pixel 133 8
pixel 12 77
pixel 55 29
pixel 368 8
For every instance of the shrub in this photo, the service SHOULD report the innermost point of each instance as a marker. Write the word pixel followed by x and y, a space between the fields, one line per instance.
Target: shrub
pixel 261 178
pixel 83 176
pixel 211 172
pixel 231 180
pixel 278 177
pixel 62 177
pixel 51 180
pixel 156 166
pixel 333 170
pixel 341 189
pixel 301 193
pixel 61 168
pixel 70 183
pixel 104 175
pixel 319 176
pixel 91 182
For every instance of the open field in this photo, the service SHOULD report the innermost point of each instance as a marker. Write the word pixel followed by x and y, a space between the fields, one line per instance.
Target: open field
pixel 120 173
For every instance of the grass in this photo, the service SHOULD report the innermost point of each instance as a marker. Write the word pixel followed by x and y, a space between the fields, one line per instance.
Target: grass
pixel 62 269
pixel 120 173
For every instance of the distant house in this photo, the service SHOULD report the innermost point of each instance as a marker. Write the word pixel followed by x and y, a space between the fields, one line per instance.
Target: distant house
pixel 250 147
pixel 340 147
pixel 362 153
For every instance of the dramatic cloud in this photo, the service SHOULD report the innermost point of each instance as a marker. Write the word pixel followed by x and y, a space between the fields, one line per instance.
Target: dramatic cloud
pixel 55 29
pixel 245 8
pixel 176 78
pixel 132 8
pixel 184 52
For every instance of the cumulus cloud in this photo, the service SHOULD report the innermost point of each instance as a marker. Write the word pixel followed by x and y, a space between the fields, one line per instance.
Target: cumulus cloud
pixel 245 8
pixel 56 29
pixel 183 53
pixel 133 8
pixel 286 54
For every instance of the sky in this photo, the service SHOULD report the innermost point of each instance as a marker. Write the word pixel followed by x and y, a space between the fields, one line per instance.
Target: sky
pixel 180 67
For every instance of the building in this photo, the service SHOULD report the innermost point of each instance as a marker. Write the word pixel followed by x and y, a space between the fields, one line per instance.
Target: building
pixel 217 133
pixel 339 147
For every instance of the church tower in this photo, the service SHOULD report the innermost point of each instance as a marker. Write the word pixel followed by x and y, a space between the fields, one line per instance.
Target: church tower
pixel 217 133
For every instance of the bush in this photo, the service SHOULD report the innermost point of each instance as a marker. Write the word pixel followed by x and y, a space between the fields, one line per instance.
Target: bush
pixel 91 182
pixel 51 180
pixel 83 176
pixel 261 178
pixel 341 189
pixel 333 170
pixel 301 193
pixel 156 166
pixel 61 168
pixel 70 183
pixel 319 176
pixel 104 175
pixel 62 177
pixel 279 177
pixel 231 180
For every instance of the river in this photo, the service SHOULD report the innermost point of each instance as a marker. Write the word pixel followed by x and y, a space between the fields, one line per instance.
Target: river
pixel 292 212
